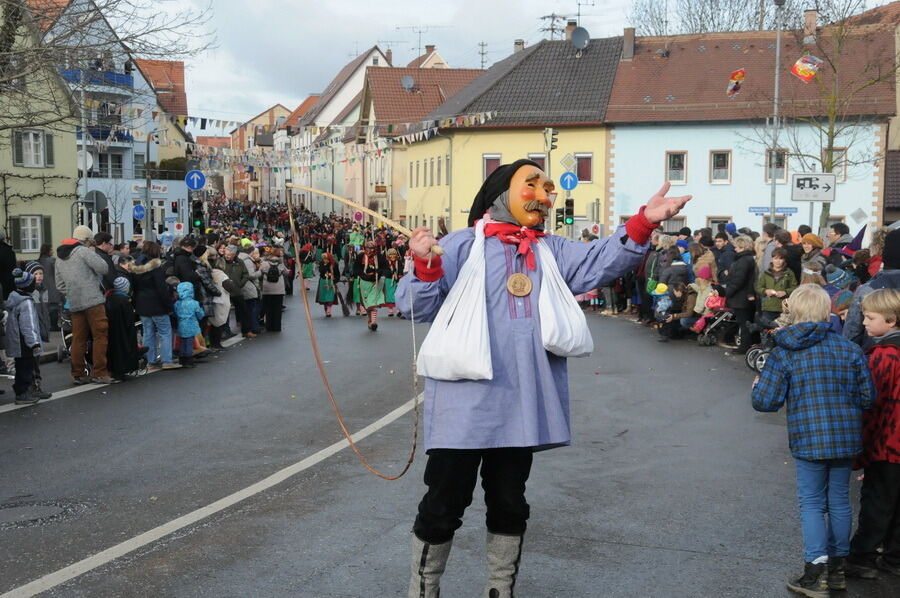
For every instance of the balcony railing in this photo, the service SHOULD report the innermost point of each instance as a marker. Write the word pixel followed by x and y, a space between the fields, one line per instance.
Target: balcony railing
pixel 98 77
pixel 103 133
pixel 137 173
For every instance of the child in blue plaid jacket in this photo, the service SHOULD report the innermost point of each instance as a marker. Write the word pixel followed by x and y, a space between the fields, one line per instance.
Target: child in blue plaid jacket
pixel 825 382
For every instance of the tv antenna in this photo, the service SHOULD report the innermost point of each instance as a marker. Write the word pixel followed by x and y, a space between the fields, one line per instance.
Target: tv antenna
pixel 419 30
pixel 483 53
pixel 390 42
pixel 553 27
pixel 581 3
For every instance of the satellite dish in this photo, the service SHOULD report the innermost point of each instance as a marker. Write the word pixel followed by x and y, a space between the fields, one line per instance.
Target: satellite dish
pixel 82 156
pixel 580 38
pixel 407 82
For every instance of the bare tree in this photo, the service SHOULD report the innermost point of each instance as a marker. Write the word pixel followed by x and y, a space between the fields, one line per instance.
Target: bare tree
pixel 673 17
pixel 43 40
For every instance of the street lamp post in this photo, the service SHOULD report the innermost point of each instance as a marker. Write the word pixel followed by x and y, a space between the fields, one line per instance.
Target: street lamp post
pixel 148 214
pixel 773 156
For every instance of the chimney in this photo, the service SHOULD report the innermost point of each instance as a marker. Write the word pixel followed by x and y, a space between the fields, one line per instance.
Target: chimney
pixel 389 56
pixel 518 45
pixel 628 44
pixel 810 20
pixel 570 27
pixel 429 49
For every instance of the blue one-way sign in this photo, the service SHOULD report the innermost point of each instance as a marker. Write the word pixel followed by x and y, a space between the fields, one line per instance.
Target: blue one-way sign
pixel 195 180
pixel 568 181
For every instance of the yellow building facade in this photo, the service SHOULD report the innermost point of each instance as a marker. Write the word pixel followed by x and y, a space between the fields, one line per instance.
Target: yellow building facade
pixel 38 172
pixel 445 172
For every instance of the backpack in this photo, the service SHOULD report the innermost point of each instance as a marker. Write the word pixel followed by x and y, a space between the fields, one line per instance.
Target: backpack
pixel 273 274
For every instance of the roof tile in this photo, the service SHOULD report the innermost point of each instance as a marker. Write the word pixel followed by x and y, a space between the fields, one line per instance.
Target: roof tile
pixel 167 79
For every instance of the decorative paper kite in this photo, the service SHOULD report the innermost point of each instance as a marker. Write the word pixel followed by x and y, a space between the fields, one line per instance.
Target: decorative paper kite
pixel 807 67
pixel 734 83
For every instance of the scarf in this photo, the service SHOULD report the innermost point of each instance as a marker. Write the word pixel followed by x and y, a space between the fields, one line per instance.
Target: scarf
pixel 516 235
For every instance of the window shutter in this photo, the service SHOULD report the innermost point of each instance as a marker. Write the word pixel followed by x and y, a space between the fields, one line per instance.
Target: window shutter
pixel 15 232
pixel 18 151
pixel 48 149
pixel 46 231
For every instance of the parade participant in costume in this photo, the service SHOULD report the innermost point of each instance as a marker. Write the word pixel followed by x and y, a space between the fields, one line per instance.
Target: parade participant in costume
pixel 307 259
pixel 498 424
pixel 371 270
pixel 329 275
pixel 394 272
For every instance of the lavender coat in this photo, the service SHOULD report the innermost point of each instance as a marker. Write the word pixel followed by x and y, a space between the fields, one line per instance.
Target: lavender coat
pixel 527 402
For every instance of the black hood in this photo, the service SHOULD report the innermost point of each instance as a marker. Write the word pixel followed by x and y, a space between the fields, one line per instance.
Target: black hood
pixel 493 186
pixel 63 252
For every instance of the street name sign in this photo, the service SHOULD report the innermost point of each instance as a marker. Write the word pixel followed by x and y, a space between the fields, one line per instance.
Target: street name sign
pixel 568 181
pixel 195 180
pixel 813 186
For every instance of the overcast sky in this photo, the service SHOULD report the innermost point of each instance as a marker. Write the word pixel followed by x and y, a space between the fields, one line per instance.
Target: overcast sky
pixel 280 51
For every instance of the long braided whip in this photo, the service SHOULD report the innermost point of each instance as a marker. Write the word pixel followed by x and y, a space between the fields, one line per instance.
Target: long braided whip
pixel 324 375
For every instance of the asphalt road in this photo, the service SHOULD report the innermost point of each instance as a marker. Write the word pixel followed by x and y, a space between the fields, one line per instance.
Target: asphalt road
pixel 674 487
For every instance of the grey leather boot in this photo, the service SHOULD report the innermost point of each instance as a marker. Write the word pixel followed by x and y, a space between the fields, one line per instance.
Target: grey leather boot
pixel 503 555
pixel 428 564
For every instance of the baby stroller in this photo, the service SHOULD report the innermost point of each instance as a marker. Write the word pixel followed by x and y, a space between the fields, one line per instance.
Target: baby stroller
pixel 718 328
pixel 757 355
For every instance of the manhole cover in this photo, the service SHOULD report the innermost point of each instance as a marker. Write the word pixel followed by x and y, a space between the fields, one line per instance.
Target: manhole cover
pixel 28 513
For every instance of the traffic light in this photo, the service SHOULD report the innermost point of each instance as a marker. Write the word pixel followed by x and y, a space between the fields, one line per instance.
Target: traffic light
pixel 174 206
pixel 560 214
pixel 569 216
pixel 551 139
pixel 197 214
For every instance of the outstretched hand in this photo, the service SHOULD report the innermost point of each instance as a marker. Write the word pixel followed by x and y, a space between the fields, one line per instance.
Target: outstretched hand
pixel 660 208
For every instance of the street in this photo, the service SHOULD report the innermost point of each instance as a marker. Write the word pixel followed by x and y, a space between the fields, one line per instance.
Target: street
pixel 674 486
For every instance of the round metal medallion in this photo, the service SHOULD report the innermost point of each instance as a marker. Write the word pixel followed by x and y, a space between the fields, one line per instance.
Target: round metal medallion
pixel 519 284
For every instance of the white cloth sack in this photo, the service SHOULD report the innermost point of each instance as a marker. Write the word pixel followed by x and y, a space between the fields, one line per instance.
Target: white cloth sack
pixel 458 346
pixel 564 329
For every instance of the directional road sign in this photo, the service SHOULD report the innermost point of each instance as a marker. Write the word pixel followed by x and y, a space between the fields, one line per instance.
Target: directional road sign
pixel 568 181
pixel 171 219
pixel 195 180
pixel 813 186
pixel 139 212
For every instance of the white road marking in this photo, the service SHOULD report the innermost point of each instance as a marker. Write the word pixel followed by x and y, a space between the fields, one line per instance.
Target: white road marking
pixel 76 390
pixel 65 574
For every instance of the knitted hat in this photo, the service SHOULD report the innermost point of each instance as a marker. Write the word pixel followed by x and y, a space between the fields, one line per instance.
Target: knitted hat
pixel 890 255
pixel 704 272
pixel 82 233
pixel 661 289
pixel 32 267
pixel 841 301
pixel 685 231
pixel 121 284
pixel 246 243
pixel 232 249
pixel 682 244
pixel 731 228
pixel 23 279
pixel 813 240
pixel 837 276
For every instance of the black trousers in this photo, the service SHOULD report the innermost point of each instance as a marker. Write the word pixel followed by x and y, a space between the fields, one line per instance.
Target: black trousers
pixel 742 317
pixel 24 370
pixel 879 513
pixel 241 313
pixel 271 305
pixel 450 475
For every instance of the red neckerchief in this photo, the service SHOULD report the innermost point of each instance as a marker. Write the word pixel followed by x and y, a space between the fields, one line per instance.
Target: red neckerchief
pixel 516 235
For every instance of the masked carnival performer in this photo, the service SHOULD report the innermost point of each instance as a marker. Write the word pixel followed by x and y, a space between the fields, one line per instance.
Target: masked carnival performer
pixel 393 274
pixel 329 275
pixel 370 271
pixel 498 424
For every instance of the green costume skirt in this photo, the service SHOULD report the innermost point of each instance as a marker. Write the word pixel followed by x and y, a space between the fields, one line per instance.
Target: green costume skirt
pixel 372 293
pixel 327 294
pixel 390 288
pixel 309 270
